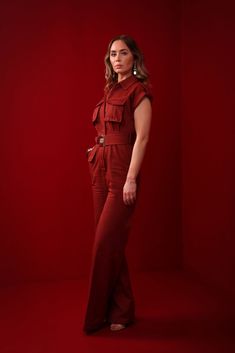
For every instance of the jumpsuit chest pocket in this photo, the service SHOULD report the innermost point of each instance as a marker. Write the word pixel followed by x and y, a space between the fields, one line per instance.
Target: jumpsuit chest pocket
pixel 114 111
pixel 96 111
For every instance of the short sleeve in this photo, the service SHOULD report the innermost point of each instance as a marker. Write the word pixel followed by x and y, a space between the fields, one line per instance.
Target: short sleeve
pixel 139 93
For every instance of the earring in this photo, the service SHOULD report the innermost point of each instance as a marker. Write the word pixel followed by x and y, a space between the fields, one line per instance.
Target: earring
pixel 135 69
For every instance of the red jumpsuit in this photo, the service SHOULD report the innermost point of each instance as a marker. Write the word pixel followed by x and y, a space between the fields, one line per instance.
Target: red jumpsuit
pixel 110 297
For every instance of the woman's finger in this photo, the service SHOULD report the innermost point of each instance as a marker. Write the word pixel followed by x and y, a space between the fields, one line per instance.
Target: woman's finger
pixel 129 198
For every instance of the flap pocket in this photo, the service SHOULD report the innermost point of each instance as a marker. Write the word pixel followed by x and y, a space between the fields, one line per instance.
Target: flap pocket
pixel 115 109
pixel 96 110
pixel 91 153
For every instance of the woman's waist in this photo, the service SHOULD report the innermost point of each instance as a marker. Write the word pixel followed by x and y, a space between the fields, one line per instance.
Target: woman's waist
pixel 115 139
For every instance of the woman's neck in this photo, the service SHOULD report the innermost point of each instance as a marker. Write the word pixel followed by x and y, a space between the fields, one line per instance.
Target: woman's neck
pixel 123 77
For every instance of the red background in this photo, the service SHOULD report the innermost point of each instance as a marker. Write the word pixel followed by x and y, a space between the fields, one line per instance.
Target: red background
pixel 52 74
pixel 208 140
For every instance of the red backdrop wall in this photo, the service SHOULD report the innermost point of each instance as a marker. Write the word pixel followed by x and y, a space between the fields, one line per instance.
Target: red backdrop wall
pixel 52 75
pixel 208 141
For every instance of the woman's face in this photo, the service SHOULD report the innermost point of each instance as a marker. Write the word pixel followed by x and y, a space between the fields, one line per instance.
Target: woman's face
pixel 121 58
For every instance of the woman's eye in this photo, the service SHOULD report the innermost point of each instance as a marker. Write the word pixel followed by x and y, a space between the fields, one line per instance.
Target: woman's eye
pixel 123 53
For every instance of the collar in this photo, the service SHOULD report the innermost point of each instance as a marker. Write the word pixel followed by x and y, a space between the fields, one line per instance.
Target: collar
pixel 127 82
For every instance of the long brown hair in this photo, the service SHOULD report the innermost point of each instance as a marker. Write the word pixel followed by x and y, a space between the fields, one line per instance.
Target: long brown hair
pixel 111 76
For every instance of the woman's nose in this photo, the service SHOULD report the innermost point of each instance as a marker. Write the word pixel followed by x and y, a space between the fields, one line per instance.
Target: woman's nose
pixel 118 57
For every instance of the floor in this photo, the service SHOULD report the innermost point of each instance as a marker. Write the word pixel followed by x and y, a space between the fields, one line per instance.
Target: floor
pixel 175 314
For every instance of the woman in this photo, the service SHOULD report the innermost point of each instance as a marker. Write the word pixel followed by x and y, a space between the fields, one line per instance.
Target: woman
pixel 122 119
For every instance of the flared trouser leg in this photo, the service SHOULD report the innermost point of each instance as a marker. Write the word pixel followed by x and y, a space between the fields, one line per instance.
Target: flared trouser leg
pixel 110 295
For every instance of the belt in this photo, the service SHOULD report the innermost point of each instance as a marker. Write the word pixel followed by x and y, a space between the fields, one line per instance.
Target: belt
pixel 114 139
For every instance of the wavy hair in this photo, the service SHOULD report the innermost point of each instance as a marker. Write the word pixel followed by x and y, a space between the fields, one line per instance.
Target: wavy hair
pixel 111 76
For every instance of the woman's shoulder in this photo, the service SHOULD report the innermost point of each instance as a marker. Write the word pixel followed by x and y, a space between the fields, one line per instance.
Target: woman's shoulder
pixel 144 86
pixel 141 90
pixel 131 91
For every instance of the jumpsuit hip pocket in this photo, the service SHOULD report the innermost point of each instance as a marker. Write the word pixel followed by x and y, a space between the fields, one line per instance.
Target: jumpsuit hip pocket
pixel 90 153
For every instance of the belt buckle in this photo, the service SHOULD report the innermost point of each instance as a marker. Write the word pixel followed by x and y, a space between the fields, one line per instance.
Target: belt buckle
pixel 101 140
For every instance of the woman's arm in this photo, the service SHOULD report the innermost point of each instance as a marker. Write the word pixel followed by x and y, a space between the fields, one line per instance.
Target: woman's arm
pixel 142 116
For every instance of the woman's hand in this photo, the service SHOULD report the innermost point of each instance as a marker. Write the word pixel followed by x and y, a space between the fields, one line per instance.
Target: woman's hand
pixel 129 192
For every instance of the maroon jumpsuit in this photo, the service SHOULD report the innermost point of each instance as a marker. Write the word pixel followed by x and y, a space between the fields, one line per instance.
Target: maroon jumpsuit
pixel 110 297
